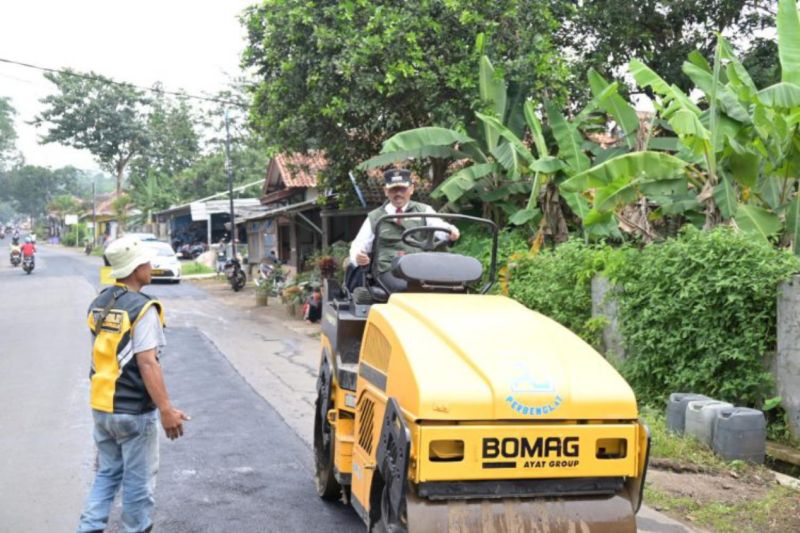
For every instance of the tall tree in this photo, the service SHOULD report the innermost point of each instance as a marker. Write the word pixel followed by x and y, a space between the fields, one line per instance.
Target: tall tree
pixel 343 76
pixel 606 34
pixel 174 143
pixel 94 113
pixel 31 188
pixel 8 135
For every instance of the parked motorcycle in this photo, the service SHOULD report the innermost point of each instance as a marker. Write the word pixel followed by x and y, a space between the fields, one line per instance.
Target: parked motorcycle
pixel 28 264
pixel 197 250
pixel 235 274
pixel 16 258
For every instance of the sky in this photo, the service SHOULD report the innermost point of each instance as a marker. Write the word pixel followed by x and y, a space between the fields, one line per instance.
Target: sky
pixel 192 45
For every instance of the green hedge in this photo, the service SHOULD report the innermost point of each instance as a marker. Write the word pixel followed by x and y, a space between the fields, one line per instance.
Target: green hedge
pixel 557 283
pixel 697 312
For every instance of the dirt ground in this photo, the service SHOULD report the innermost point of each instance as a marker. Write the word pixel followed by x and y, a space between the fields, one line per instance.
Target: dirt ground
pixel 245 299
pixel 747 499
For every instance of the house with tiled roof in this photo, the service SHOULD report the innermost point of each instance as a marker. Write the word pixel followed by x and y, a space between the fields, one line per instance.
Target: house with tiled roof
pixel 297 219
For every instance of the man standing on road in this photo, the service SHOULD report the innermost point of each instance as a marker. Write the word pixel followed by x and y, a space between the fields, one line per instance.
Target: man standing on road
pixel 127 391
pixel 398 188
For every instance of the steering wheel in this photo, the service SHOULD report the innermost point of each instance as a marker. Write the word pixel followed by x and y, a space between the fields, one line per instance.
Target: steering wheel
pixel 431 242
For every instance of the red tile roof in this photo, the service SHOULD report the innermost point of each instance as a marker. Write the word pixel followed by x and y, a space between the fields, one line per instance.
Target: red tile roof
pixel 301 170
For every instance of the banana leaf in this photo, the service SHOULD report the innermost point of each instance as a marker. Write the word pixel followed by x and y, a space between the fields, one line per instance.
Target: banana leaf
pixel 568 138
pixel 782 95
pixel 423 137
pixel 756 221
pixel 536 129
pixel 622 190
pixel 697 59
pixel 666 144
pixel 691 131
pixel 725 198
pixel 729 102
pixel 578 203
pixel 650 166
pixel 523 216
pixel 463 181
pixel 437 151
pixel 596 102
pixel 547 165
pixel 493 92
pixel 743 167
pixel 788 22
pixel 793 223
pixel 505 154
pixel 508 135
pixel 616 106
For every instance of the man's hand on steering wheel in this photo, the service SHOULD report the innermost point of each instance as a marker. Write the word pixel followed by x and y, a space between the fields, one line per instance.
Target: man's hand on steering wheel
pixel 431 241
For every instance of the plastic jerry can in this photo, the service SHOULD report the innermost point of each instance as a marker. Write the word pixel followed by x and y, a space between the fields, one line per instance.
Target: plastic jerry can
pixel 700 416
pixel 740 433
pixel 676 409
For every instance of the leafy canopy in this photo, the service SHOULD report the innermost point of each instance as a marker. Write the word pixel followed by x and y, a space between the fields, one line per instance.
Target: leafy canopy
pixel 342 76
pixel 91 112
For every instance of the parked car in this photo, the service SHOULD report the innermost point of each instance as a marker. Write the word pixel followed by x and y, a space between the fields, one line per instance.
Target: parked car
pixel 147 237
pixel 166 265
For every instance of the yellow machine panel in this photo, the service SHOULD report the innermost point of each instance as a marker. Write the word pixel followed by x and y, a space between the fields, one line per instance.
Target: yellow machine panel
pixel 492 359
pixel 521 452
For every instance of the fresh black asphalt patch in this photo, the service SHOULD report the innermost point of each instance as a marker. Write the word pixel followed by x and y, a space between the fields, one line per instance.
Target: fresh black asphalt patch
pixel 239 467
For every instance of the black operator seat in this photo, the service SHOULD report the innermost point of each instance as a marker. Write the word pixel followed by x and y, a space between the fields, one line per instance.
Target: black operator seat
pixel 437 271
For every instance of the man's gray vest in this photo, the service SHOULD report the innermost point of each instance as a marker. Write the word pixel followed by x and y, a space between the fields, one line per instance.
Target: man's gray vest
pixel 390 231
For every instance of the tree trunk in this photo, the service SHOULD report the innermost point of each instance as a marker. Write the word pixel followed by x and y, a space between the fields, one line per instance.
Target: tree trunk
pixel 120 170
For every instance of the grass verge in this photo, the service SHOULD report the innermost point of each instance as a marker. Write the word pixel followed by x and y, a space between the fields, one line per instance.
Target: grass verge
pixel 761 514
pixel 195 268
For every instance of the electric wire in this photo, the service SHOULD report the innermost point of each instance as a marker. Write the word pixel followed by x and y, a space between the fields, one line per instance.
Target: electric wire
pixel 113 82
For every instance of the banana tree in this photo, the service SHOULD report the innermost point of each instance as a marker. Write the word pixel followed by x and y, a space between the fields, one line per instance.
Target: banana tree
pixel 743 150
pixel 492 171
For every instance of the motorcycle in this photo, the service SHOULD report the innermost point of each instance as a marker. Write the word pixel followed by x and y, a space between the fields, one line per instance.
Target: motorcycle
pixel 235 274
pixel 28 264
pixel 197 250
pixel 16 258
pixel 88 248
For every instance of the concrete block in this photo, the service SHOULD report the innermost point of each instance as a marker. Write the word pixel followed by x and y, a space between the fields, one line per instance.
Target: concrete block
pixel 605 304
pixel 787 358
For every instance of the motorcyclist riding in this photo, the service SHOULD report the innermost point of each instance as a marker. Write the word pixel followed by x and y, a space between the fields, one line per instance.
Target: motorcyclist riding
pixel 28 249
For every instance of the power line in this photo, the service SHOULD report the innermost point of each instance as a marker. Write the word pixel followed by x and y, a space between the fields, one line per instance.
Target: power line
pixel 110 81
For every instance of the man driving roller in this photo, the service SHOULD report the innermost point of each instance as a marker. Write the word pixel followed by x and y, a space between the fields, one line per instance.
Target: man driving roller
pixel 398 187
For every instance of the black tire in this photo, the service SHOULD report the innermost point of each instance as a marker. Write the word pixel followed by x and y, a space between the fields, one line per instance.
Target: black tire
pixel 239 280
pixel 324 437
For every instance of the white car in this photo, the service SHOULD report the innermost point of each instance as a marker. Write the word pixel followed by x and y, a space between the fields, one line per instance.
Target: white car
pixel 165 265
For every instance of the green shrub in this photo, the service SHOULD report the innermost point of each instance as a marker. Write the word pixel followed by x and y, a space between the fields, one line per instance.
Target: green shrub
pixel 698 314
pixel 557 283
pixel 75 235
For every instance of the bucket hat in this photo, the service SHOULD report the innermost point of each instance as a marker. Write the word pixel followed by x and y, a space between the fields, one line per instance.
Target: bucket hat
pixel 127 253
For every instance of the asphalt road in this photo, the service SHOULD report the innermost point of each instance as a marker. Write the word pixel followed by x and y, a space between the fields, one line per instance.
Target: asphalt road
pixel 240 467
pixel 245 463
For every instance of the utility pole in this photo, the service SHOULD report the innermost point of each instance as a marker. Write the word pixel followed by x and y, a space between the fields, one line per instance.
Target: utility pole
pixel 94 213
pixel 229 171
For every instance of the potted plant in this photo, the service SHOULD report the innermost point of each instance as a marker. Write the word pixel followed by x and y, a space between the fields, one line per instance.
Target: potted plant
pixel 262 294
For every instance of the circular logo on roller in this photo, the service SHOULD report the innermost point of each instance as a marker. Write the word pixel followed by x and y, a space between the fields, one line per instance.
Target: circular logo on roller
pixel 533 389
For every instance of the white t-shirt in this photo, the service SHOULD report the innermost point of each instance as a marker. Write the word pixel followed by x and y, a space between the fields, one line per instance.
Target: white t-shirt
pixel 365 237
pixel 148 333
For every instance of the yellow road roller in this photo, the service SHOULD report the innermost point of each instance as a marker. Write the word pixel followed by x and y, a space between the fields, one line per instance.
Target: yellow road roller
pixel 445 409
